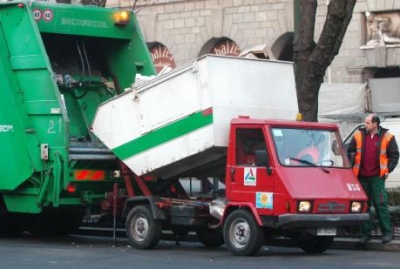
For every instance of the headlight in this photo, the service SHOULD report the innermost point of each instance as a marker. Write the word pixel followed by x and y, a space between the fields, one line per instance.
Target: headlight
pixel 304 206
pixel 122 17
pixel 356 207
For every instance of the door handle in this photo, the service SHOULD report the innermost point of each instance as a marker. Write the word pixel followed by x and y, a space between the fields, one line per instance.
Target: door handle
pixel 233 174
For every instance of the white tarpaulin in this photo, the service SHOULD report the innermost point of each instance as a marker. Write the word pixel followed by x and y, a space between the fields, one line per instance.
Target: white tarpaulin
pixel 385 94
pixel 341 98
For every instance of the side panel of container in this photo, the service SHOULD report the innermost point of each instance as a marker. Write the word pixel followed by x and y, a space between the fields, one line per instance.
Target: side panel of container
pixel 31 114
pixel 26 91
pixel 158 125
pixel 247 87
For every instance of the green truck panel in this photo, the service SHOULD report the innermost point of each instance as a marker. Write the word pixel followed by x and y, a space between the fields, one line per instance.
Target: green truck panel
pixel 58 63
pixel 101 22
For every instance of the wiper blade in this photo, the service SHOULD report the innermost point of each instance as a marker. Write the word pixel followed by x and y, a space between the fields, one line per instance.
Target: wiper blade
pixel 309 163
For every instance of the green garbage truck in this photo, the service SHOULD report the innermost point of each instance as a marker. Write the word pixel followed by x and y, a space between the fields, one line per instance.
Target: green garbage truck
pixel 58 62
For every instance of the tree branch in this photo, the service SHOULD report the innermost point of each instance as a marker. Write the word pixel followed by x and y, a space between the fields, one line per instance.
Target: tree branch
pixel 304 38
pixel 335 27
pixel 346 22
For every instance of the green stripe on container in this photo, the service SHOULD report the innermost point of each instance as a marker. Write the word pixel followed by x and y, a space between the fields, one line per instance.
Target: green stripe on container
pixel 163 134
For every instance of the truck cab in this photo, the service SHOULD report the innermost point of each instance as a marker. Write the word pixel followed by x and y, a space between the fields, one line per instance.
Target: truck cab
pixel 288 178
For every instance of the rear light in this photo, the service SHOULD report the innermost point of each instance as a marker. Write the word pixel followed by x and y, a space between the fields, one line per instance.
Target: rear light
pixel 71 187
pixel 122 17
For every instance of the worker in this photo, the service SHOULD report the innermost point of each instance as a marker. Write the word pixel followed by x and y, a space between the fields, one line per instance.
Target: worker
pixel 375 154
pixel 310 154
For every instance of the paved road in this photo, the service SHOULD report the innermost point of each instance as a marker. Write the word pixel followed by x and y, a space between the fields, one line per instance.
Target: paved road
pixel 83 252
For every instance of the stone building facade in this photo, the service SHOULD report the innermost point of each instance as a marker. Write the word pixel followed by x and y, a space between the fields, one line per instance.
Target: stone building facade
pixel 178 31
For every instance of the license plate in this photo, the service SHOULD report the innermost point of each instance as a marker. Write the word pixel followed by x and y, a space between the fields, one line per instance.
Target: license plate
pixel 326 231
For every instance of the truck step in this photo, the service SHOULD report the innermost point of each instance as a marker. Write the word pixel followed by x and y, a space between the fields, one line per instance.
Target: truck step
pixel 89 151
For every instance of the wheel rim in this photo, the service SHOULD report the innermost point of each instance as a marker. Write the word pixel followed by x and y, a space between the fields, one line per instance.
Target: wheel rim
pixel 140 228
pixel 239 233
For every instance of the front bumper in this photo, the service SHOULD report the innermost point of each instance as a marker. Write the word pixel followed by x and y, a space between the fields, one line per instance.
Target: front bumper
pixel 320 220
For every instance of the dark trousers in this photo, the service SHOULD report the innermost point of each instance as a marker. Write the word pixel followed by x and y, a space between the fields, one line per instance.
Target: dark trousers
pixel 374 187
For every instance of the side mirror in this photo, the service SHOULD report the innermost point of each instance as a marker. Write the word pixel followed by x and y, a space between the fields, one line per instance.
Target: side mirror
pixel 335 148
pixel 262 159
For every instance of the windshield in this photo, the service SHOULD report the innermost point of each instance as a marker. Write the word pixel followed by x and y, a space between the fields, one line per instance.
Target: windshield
pixel 309 147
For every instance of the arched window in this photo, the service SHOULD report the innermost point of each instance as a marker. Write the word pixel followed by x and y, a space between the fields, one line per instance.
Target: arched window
pixel 161 56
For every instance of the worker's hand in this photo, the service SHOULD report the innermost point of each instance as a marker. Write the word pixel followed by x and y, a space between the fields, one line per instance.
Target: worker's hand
pixel 385 176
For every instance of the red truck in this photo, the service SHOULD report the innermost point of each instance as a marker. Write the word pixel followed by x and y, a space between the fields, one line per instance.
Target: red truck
pixel 286 182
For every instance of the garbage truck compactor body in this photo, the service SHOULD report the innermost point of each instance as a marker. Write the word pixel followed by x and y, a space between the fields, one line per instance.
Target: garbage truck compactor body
pixel 58 62
pixel 286 181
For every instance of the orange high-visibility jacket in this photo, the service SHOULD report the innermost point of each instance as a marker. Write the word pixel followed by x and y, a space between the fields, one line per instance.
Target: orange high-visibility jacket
pixel 384 141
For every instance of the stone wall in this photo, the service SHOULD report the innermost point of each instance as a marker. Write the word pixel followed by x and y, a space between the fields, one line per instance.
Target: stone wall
pixel 355 61
pixel 189 28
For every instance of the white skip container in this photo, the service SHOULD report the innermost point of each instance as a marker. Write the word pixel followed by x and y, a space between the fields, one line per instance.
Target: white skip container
pixel 180 121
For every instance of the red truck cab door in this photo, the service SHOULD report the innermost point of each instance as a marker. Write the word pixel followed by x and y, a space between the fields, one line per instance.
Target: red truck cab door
pixel 247 182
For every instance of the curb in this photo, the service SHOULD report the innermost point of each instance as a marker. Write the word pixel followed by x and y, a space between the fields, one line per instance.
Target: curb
pixel 374 244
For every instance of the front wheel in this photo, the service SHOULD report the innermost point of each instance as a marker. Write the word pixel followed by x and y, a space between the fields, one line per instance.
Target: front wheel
pixel 243 236
pixel 318 244
pixel 142 230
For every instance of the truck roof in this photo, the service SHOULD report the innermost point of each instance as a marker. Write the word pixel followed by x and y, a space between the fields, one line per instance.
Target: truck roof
pixel 284 123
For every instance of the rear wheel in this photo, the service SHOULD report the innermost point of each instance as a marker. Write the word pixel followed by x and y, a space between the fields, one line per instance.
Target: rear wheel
pixel 318 244
pixel 243 236
pixel 210 238
pixel 142 230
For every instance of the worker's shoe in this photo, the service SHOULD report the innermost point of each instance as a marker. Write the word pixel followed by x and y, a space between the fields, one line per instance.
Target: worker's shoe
pixel 387 238
pixel 365 239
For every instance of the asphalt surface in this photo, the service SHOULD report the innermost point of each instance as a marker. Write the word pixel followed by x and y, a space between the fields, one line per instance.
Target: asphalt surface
pixel 375 244
pixel 26 252
pixel 352 243
pixel 340 243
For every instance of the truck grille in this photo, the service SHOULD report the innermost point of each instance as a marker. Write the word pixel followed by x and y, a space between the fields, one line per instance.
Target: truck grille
pixel 331 207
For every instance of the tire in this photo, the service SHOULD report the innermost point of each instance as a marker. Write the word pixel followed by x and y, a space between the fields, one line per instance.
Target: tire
pixel 318 244
pixel 210 238
pixel 243 236
pixel 142 230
